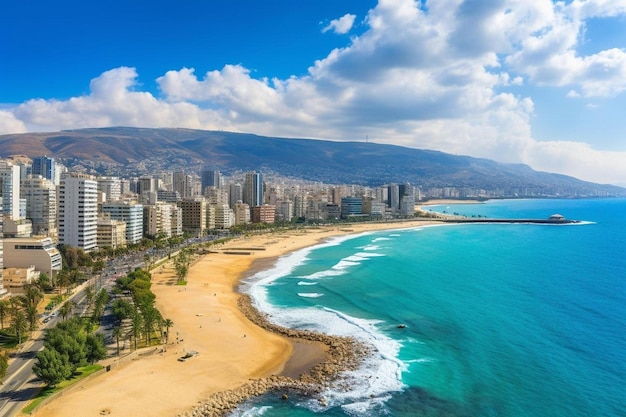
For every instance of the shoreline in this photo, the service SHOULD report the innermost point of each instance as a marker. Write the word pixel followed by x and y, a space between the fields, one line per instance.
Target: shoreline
pixel 241 353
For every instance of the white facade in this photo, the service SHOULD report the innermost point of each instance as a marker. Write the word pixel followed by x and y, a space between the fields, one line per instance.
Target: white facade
pixel 78 211
pixel 242 213
pixel 41 204
pixel 10 188
pixel 132 214
pixel 38 251
pixel 224 217
pixel 111 187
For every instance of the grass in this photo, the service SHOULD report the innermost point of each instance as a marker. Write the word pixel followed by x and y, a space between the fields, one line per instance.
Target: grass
pixel 47 392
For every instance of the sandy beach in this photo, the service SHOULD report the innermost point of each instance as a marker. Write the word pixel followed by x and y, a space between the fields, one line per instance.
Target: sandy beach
pixel 208 319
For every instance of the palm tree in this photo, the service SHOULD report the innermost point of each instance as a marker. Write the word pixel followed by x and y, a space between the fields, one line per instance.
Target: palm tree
pixel 66 309
pixel 117 333
pixel 136 326
pixel 4 309
pixel 167 323
pixel 20 325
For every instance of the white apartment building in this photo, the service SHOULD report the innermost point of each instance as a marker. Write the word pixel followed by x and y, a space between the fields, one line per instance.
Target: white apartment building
pixel 78 211
pixel 111 187
pixel 111 233
pixel 242 213
pixel 10 188
pixel 41 204
pixel 224 217
pixel 129 212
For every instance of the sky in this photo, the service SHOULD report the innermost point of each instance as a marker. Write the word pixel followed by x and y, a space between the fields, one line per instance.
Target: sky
pixel 537 82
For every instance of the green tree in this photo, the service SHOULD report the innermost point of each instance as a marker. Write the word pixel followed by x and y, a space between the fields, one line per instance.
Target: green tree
pixel 117 334
pixel 94 347
pixel 181 265
pixel 151 317
pixel 122 309
pixel 4 310
pixel 167 323
pixel 52 367
pixel 44 283
pixel 66 309
pixel 4 364
pixel 69 341
pixel 20 325
pixel 136 323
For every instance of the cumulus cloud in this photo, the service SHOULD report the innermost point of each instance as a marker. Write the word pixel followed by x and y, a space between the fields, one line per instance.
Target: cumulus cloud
pixel 342 25
pixel 445 81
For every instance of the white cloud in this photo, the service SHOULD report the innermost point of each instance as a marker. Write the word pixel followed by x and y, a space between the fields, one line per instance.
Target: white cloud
pixel 444 81
pixel 342 25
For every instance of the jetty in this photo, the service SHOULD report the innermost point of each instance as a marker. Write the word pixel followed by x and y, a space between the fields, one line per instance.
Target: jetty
pixel 554 219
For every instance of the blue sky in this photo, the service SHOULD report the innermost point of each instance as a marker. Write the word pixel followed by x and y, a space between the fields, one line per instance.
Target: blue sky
pixel 541 82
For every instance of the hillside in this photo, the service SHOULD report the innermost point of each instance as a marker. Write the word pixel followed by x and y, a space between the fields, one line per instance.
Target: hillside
pixel 137 151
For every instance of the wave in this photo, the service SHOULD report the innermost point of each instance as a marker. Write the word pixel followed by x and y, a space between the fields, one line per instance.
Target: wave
pixel 307 283
pixel 378 239
pixel 252 412
pixel 378 376
pixel 310 294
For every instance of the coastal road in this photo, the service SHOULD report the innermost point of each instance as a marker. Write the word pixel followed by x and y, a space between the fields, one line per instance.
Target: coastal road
pixel 21 385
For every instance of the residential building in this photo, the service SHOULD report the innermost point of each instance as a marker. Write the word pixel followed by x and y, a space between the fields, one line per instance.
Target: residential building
pixel 263 214
pixel 15 279
pixel 78 211
pixel 111 187
pixel 224 217
pixel 284 210
pixel 10 189
pixel 193 215
pixel 41 204
pixel 111 233
pixel 242 213
pixel 129 212
pixel 18 228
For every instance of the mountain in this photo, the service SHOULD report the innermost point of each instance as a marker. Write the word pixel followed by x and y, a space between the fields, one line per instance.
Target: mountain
pixel 137 151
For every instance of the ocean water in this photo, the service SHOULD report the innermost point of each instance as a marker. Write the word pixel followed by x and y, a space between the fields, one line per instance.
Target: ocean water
pixel 512 320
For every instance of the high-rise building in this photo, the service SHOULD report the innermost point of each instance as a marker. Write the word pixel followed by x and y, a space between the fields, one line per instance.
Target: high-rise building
pixel 44 166
pixel 10 189
pixel 41 205
pixel 183 183
pixel 224 216
pixel 111 187
pixel 193 215
pixel 264 214
pixel 78 211
pixel 132 214
pixel 210 178
pixel 242 213
pixel 393 201
pixel 146 184
pixel 234 195
pixel 253 189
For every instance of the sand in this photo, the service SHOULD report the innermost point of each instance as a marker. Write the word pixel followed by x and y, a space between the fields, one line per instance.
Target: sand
pixel 231 349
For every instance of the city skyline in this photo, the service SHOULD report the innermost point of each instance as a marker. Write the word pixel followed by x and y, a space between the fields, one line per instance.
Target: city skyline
pixel 540 83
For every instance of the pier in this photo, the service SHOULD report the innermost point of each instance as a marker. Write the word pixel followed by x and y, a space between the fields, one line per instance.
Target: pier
pixel 532 221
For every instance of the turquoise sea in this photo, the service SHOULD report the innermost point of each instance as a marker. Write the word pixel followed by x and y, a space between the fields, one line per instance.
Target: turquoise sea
pixel 512 320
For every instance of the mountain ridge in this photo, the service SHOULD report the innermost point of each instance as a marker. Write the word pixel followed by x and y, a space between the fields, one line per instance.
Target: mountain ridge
pixel 137 151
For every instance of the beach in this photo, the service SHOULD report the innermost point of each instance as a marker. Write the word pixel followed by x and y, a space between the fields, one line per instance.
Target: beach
pixel 235 347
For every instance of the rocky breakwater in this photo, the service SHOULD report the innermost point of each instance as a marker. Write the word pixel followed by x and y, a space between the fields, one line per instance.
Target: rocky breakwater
pixel 343 354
